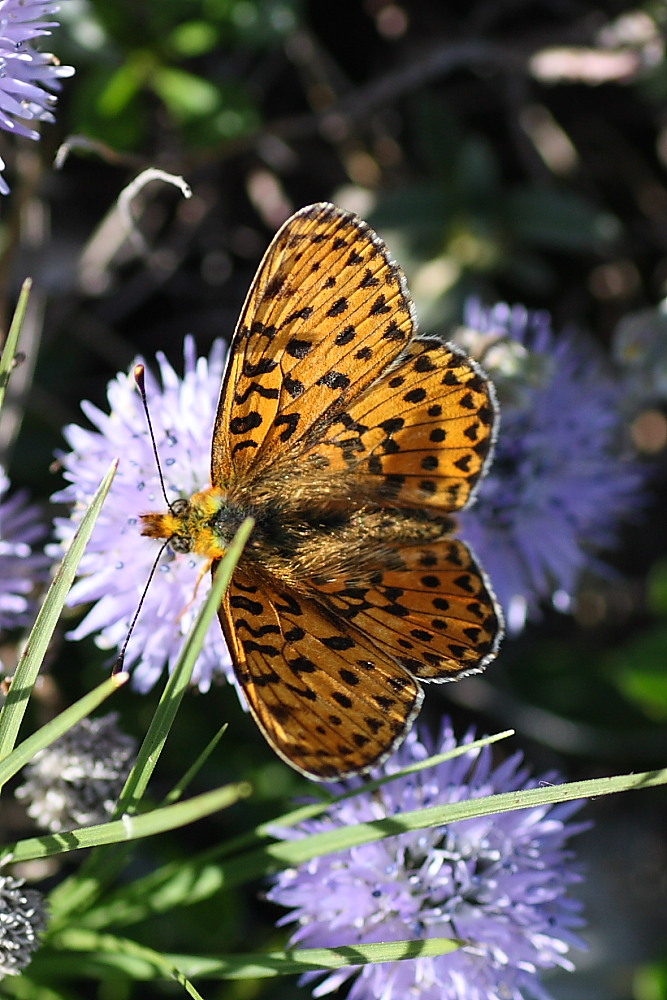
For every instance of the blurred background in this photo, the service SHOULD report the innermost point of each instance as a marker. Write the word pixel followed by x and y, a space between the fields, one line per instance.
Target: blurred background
pixel 515 151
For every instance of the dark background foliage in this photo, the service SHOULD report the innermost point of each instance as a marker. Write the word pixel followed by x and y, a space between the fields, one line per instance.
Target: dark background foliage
pixel 487 174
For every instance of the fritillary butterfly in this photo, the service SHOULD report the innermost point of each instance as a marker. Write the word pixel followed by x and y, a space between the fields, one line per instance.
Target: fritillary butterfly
pixel 350 440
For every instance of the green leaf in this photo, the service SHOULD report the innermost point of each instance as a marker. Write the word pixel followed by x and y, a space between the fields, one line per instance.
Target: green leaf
pixel 24 987
pixel 287 854
pixel 302 813
pixel 560 220
pixel 177 791
pixel 193 38
pixel 109 953
pixel 187 882
pixel 184 94
pixel 178 884
pixel 650 982
pixel 123 86
pixel 639 672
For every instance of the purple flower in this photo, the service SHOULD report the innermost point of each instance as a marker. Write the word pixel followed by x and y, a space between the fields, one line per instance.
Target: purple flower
pixel 118 560
pixel 21 568
pixel 500 883
pixel 27 77
pixel 561 481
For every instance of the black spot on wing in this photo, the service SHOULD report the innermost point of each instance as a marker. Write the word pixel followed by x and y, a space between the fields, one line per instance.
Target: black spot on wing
pixel 263 367
pixel 379 306
pixel 242 445
pixel 334 380
pixel 241 425
pixel 345 336
pixel 393 331
pixel 338 308
pixel 415 396
pixel 298 349
pixel 369 280
pixel 293 386
pixel 260 390
pixel 290 421
pixel 299 314
pixel 241 603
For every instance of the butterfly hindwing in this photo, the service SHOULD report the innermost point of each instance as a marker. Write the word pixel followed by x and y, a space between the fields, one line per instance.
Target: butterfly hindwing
pixel 326 698
pixel 428 605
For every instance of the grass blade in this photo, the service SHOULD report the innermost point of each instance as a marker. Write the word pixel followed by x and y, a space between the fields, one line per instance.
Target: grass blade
pixel 32 657
pixel 11 344
pixel 50 732
pixel 179 680
pixel 130 827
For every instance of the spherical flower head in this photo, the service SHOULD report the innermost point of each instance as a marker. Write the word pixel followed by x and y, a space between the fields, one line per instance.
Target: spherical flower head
pixel 23 919
pixel 76 780
pixel 118 559
pixel 562 481
pixel 499 883
pixel 28 77
pixel 22 567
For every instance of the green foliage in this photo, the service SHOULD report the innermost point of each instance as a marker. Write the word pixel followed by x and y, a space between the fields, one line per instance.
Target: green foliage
pixel 161 52
pixel 638 667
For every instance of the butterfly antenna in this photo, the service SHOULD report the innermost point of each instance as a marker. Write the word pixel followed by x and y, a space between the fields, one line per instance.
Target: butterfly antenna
pixel 139 378
pixel 120 659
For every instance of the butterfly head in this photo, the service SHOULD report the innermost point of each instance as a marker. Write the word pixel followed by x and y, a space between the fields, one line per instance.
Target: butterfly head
pixel 205 524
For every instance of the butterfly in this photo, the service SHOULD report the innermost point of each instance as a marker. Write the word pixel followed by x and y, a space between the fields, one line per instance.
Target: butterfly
pixel 350 440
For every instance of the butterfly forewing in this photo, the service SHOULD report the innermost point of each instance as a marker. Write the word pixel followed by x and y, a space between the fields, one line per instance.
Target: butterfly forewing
pixel 421 435
pixel 326 698
pixel 328 311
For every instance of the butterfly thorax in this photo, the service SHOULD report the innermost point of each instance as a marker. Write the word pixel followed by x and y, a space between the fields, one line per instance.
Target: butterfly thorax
pixel 205 524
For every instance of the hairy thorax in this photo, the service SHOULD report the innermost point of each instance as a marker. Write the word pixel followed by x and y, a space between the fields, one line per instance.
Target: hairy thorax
pixel 294 543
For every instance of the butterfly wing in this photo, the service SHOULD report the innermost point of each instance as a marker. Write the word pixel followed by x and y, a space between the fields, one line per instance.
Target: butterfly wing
pixel 328 700
pixel 327 312
pixel 421 435
pixel 427 605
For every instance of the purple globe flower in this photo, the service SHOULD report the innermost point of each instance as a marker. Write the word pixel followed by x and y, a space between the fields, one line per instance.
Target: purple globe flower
pixel 27 77
pixel 562 480
pixel 500 883
pixel 118 560
pixel 21 567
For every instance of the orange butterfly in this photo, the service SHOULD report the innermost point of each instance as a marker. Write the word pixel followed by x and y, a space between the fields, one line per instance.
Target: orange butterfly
pixel 350 440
